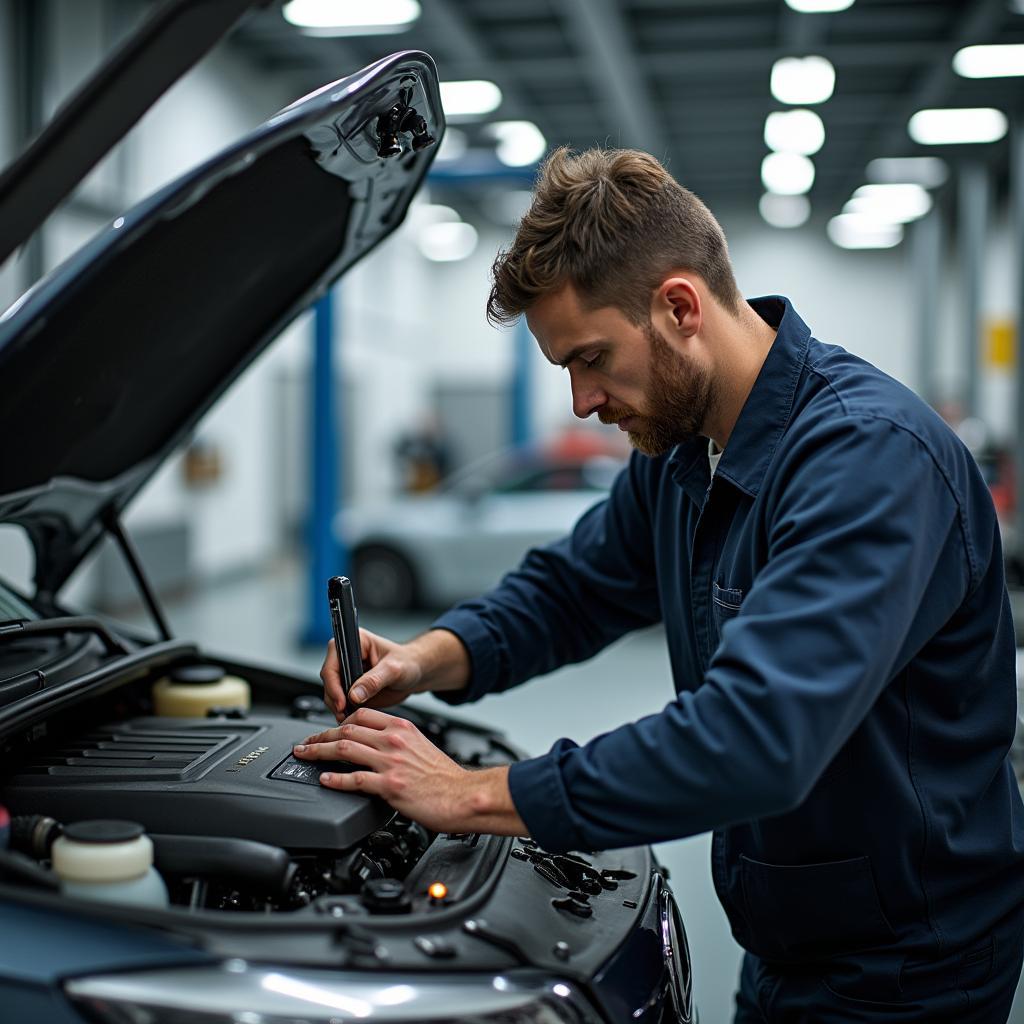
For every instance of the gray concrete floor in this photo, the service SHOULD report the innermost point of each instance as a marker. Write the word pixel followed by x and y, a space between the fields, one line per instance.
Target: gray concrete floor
pixel 262 619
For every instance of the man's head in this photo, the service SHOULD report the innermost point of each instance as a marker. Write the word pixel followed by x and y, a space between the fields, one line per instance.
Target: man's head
pixel 616 260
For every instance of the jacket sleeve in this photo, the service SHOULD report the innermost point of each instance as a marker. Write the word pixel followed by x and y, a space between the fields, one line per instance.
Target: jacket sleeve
pixel 566 601
pixel 861 524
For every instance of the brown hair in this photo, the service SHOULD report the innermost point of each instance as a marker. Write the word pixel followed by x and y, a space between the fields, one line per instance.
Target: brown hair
pixel 613 223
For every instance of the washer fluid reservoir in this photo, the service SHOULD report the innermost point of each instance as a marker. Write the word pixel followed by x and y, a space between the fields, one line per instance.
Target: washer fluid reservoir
pixel 110 861
pixel 192 690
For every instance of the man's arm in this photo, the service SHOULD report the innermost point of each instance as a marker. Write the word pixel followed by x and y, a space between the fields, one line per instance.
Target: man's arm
pixel 862 528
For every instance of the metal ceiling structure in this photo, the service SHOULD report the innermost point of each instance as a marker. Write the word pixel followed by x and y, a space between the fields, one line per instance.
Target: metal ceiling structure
pixel 688 80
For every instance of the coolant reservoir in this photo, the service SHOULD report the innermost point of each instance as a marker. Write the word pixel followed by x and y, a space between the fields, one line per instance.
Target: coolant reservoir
pixel 192 690
pixel 110 861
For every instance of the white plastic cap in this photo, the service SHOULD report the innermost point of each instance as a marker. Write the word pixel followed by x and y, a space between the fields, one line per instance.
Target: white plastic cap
pixel 102 851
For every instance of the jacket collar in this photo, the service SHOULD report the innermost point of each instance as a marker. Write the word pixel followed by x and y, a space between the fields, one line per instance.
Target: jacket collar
pixel 764 415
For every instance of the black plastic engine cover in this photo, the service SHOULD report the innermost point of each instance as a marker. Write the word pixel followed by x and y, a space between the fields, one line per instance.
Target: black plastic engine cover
pixel 188 776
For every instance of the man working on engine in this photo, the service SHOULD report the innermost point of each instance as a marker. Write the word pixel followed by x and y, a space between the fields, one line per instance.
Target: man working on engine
pixel 826 561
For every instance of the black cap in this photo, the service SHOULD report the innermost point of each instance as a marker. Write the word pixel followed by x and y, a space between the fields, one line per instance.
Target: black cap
pixel 385 896
pixel 201 674
pixel 104 831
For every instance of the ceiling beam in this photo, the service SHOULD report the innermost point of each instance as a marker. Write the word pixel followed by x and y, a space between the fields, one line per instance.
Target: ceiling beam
pixel 450 24
pixel 744 62
pixel 980 21
pixel 615 73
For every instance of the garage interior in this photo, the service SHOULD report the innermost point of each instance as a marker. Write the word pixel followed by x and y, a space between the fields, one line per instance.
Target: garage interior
pixel 241 528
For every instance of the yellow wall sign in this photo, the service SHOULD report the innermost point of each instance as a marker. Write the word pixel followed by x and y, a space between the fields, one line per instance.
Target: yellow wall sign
pixel 1000 344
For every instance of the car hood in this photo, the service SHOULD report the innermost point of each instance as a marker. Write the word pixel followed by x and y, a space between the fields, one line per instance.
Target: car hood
pixel 109 362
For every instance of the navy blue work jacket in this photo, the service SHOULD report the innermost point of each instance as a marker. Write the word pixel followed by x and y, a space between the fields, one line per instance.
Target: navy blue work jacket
pixel 843 656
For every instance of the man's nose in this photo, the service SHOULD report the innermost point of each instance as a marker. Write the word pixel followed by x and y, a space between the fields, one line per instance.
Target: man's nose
pixel 586 399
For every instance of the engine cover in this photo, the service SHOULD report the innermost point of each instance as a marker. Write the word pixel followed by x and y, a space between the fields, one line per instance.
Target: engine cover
pixel 186 776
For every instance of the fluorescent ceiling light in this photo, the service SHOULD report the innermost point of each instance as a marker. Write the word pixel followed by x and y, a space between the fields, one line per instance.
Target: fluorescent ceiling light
pixel 788 174
pixel 1004 60
pixel 784 211
pixel 351 17
pixel 928 171
pixel 819 6
pixel 469 99
pixel 856 231
pixel 794 131
pixel 956 126
pixel 423 214
pixel 893 204
pixel 800 80
pixel 519 142
pixel 447 241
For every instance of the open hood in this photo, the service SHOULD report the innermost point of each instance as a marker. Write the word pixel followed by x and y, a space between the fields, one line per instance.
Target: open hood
pixel 112 359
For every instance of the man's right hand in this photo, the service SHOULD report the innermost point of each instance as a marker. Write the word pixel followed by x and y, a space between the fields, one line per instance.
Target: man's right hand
pixel 393 672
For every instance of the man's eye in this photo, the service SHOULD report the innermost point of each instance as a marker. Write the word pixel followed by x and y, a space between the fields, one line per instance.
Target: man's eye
pixel 594 361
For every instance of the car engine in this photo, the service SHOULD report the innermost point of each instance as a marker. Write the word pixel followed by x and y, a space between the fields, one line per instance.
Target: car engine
pixel 237 822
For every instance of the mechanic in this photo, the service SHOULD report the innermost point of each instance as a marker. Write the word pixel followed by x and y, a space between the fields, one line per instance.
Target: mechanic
pixel 825 558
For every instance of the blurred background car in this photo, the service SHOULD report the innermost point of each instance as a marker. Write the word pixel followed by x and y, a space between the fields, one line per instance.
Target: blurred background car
pixel 432 549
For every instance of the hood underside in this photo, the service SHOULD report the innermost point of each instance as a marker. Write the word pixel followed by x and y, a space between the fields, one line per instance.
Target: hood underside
pixel 110 361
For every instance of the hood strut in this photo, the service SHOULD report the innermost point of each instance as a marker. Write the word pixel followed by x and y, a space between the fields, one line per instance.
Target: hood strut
pixel 116 530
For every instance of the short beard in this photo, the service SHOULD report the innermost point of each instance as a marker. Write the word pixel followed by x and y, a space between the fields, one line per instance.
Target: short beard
pixel 680 396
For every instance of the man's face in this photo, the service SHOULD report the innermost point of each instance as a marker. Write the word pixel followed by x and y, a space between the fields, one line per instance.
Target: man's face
pixel 628 375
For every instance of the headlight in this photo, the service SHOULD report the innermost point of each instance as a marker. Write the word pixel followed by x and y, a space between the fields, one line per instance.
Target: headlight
pixel 240 993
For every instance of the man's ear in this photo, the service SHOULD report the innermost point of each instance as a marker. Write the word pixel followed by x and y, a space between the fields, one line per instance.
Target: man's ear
pixel 677 306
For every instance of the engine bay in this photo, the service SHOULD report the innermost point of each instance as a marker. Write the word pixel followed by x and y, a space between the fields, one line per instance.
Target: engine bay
pixel 251 849
pixel 236 821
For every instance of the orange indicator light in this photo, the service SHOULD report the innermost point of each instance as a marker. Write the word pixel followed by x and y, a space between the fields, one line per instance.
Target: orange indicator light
pixel 438 891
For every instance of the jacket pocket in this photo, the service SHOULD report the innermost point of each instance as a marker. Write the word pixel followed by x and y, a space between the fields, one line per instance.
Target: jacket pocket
pixel 808 912
pixel 725 604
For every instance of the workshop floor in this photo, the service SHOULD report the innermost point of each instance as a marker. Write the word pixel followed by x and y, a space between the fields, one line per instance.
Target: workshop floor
pixel 263 618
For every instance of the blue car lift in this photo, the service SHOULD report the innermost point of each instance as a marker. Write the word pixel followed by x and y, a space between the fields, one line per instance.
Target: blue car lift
pixel 328 555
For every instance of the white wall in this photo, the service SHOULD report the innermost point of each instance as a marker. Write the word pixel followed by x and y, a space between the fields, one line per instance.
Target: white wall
pixel 863 300
pixel 860 300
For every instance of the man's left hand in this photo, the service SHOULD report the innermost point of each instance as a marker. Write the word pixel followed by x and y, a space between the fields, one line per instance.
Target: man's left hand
pixel 413 775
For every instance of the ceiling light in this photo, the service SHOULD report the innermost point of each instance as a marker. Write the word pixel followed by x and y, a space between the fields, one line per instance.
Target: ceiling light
pixel 469 99
pixel 819 6
pixel 800 80
pixel 519 142
pixel 351 17
pixel 928 171
pixel 957 125
pixel 893 204
pixel 447 241
pixel 423 214
pixel 1005 60
pixel 794 131
pixel 788 174
pixel 857 231
pixel 784 211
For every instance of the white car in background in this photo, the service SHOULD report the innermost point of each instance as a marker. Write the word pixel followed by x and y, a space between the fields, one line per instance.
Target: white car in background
pixel 430 550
